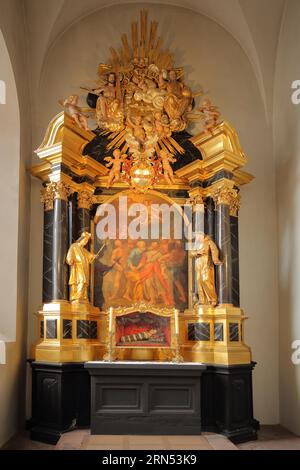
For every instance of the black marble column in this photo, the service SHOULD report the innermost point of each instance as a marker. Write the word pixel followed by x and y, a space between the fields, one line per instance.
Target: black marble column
pixel 209 218
pixel 83 215
pixel 47 256
pixel 223 240
pixel 83 220
pixel 234 225
pixel 73 231
pixel 60 248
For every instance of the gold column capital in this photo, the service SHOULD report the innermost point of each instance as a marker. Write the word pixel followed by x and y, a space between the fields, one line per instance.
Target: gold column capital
pixel 196 197
pixel 229 196
pixel 55 190
pixel 47 197
pixel 85 199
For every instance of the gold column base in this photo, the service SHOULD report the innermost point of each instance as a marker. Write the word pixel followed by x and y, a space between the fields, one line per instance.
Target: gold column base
pixel 73 353
pixel 71 338
pixel 224 329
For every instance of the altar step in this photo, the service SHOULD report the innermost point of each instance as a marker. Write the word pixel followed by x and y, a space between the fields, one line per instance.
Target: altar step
pixel 83 440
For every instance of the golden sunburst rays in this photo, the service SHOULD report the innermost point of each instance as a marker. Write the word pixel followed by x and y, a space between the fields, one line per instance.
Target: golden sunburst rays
pixel 145 46
pixel 118 140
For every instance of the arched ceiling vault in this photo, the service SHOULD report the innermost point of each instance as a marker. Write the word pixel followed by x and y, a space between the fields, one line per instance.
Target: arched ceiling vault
pixel 251 23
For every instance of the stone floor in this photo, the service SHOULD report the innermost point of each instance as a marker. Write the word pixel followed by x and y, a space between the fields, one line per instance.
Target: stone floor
pixel 273 438
pixel 84 441
pixel 270 438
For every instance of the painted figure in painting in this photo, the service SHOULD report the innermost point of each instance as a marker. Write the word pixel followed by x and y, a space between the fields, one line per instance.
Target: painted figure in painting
pixel 149 271
pixel 79 258
pixel 207 255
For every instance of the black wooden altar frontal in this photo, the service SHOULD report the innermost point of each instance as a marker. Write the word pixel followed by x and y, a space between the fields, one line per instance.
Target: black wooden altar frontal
pixel 145 398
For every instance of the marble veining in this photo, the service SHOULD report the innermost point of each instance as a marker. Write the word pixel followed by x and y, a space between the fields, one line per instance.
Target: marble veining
pixel 47 256
pixel 233 331
pixel 199 331
pixel 218 332
pixel 223 240
pixel 60 247
pixel 42 329
pixel 87 329
pixel 51 329
pixel 234 225
pixel 67 329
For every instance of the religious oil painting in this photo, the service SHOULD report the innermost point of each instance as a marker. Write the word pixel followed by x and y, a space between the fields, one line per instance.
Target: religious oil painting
pixel 143 329
pixel 152 266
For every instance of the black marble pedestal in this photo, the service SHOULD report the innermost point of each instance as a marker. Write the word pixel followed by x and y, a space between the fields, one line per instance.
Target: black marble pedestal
pixel 60 399
pixel 145 398
pixel 227 402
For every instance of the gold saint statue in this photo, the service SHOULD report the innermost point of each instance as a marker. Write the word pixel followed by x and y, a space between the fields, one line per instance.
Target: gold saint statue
pixel 79 258
pixel 206 254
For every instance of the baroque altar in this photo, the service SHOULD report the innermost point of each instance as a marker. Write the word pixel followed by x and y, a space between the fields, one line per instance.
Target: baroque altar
pixel 114 298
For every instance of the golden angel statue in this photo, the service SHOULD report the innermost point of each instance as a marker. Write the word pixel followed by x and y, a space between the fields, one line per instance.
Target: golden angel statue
pixel 115 163
pixel 79 258
pixel 206 254
pixel 76 112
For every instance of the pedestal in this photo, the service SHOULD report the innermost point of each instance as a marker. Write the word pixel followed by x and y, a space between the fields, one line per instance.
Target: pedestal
pixel 60 399
pixel 227 402
pixel 69 332
pixel 145 398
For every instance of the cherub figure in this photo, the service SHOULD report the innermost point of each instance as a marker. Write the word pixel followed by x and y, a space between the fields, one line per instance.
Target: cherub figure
pixel 209 115
pixel 162 124
pixel 138 130
pixel 115 163
pixel 71 106
pixel 166 159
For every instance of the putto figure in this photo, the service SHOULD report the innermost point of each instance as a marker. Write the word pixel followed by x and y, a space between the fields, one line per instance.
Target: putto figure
pixel 207 255
pixel 116 166
pixel 71 106
pixel 166 159
pixel 209 115
pixel 79 258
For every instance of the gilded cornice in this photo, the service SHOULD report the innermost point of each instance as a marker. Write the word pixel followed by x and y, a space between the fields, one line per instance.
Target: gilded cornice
pixel 221 151
pixel 62 146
